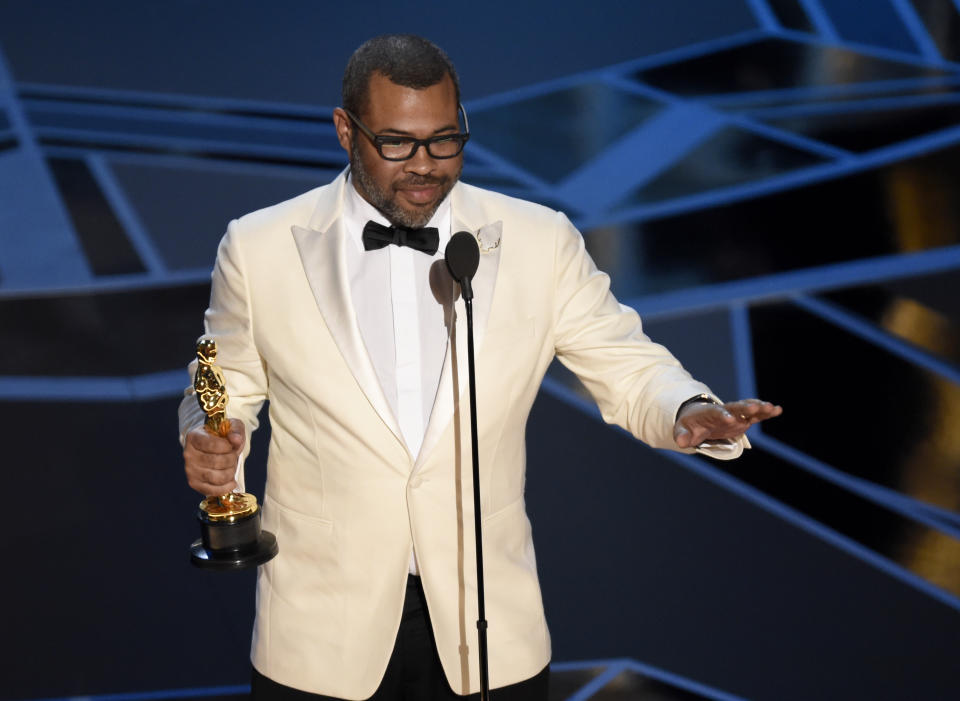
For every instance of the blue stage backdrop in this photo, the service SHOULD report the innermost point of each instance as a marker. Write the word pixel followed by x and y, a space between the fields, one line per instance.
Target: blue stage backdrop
pixel 771 183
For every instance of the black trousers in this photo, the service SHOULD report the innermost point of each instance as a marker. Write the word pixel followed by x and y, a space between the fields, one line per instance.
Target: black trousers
pixel 414 672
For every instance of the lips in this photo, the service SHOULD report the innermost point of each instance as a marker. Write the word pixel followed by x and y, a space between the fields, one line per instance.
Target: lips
pixel 420 194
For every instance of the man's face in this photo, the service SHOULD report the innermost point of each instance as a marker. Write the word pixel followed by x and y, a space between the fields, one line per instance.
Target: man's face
pixel 406 192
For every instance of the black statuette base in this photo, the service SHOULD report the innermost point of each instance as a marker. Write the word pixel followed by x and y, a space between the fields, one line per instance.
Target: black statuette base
pixel 237 545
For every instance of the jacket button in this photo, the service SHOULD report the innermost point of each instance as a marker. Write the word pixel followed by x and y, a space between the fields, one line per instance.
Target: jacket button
pixel 416 482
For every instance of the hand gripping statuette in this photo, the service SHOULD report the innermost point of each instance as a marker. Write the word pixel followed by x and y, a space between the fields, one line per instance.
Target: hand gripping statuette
pixel 230 533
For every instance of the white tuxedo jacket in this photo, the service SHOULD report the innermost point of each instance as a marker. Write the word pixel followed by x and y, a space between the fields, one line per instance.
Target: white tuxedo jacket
pixel 345 498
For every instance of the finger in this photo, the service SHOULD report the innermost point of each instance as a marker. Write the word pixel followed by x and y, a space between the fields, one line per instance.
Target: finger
pixel 713 419
pixel 751 411
pixel 203 441
pixel 681 436
pixel 703 429
pixel 768 411
pixel 700 434
pixel 731 428
pixel 705 417
pixel 713 422
pixel 210 480
pixel 220 479
pixel 238 433
pixel 221 462
pixel 765 411
pixel 742 409
pixel 209 489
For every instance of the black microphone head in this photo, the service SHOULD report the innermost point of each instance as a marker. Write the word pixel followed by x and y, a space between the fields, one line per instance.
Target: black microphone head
pixel 462 256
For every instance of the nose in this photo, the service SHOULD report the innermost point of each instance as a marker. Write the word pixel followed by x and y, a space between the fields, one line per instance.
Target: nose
pixel 420 162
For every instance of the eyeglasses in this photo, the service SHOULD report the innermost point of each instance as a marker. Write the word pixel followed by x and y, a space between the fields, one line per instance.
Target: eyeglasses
pixel 402 148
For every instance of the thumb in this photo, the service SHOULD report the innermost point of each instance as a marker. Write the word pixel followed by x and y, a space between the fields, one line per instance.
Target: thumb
pixel 237 434
pixel 681 435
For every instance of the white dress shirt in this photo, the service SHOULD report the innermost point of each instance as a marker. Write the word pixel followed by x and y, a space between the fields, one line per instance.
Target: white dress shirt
pixel 400 320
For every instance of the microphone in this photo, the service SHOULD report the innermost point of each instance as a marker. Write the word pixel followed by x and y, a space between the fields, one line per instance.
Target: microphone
pixel 463 256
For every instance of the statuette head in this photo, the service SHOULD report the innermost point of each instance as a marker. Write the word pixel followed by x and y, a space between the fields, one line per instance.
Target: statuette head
pixel 206 350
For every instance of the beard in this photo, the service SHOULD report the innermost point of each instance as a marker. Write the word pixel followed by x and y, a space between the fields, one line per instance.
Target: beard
pixel 386 200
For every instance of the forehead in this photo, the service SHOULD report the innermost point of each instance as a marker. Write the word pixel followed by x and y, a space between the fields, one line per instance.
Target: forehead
pixel 400 108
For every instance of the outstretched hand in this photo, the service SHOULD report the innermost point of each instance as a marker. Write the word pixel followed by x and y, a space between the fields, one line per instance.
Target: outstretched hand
pixel 699 422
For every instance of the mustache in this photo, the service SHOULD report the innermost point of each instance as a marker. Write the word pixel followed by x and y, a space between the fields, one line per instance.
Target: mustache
pixel 420 181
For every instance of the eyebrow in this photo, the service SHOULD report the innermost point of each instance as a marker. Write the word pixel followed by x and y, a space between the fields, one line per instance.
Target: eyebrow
pixel 401 132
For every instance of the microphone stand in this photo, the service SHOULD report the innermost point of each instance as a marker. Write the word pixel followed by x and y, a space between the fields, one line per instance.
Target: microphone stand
pixel 467 293
pixel 463 257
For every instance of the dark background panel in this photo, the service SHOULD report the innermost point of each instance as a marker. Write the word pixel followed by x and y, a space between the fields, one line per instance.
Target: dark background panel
pixel 942 22
pixel 594 116
pixel 107 248
pixel 790 14
pixel 901 207
pixel 188 221
pixel 294 50
pixel 103 334
pixel 884 28
pixel 104 585
pixel 865 129
pixel 915 310
pixel 730 157
pixel 803 362
pixel 776 63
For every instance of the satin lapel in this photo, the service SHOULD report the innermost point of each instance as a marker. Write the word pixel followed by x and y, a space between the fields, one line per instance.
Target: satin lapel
pixel 453 386
pixel 325 265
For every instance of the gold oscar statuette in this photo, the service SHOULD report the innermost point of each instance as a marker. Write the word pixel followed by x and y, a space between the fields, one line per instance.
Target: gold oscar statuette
pixel 230 534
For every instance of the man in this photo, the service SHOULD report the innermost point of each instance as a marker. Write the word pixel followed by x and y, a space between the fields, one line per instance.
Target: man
pixel 359 345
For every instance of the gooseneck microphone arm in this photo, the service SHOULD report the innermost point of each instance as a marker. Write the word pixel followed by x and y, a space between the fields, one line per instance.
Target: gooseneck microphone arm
pixel 463 257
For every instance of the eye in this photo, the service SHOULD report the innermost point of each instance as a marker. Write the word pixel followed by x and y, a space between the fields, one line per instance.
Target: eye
pixel 394 142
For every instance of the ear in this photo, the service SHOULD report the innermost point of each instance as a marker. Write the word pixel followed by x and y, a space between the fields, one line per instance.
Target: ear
pixel 344 127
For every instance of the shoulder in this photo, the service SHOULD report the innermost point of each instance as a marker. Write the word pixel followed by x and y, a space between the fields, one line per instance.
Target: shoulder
pixel 505 204
pixel 268 230
pixel 523 223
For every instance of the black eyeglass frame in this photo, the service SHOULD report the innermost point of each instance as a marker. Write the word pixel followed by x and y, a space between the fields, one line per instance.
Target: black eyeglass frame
pixel 378 140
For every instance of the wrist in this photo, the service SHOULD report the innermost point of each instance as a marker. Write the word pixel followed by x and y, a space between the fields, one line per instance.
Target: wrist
pixel 699 399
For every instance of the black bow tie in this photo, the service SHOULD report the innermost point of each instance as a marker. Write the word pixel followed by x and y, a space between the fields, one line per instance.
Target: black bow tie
pixel 377 236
